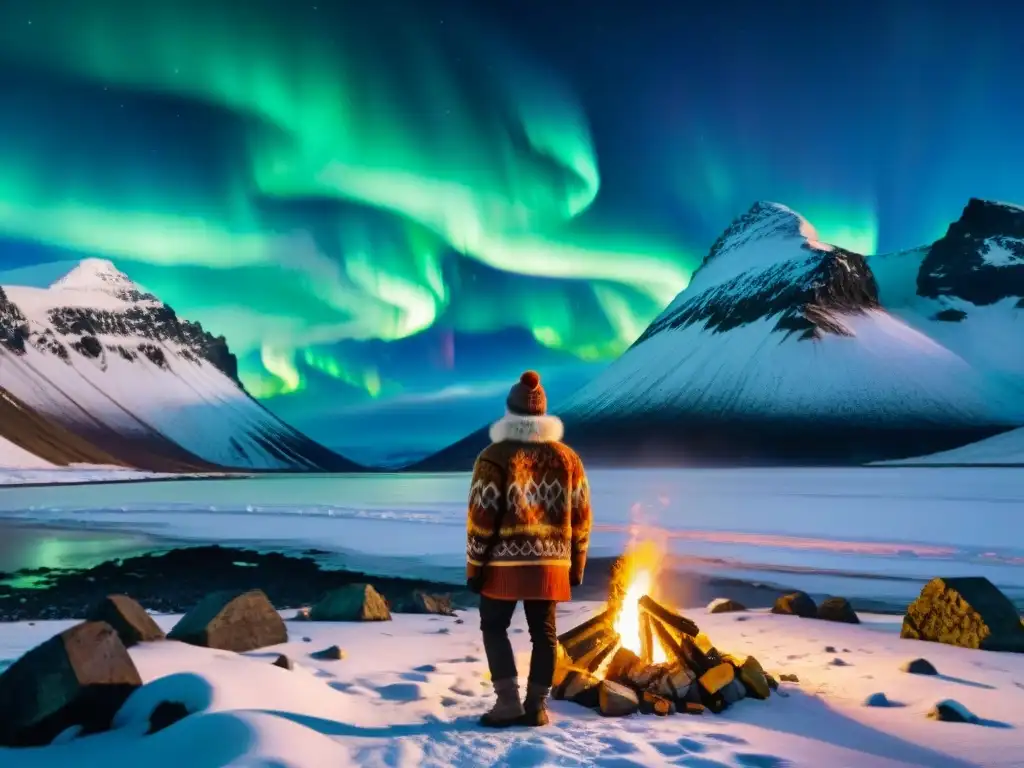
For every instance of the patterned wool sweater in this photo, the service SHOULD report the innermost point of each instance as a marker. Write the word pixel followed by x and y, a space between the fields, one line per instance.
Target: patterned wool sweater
pixel 529 512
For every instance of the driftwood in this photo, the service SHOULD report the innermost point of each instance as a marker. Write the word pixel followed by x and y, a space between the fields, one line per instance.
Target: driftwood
pixel 679 623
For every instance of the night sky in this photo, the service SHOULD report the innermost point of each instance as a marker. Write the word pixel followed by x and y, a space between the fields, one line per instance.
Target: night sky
pixel 391 208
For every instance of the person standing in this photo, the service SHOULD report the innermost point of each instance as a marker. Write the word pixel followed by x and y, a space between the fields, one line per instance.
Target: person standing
pixel 528 528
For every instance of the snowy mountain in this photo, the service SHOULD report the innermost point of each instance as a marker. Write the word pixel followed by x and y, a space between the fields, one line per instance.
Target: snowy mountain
pixel 966 290
pixel 96 356
pixel 1006 449
pixel 780 350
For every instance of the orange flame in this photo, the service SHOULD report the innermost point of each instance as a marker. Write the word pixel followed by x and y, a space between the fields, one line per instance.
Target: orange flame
pixel 640 568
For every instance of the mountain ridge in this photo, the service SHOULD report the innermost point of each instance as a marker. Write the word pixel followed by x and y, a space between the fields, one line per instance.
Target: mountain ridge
pixel 767 286
pixel 99 357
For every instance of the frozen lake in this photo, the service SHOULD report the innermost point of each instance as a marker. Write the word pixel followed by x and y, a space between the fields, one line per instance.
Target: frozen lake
pixel 874 533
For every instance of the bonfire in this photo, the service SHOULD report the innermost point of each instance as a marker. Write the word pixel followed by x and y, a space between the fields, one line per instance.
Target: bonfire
pixel 640 655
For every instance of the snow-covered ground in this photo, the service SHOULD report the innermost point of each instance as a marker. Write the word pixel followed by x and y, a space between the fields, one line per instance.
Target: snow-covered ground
pixel 12 474
pixel 876 533
pixel 409 693
pixel 1007 448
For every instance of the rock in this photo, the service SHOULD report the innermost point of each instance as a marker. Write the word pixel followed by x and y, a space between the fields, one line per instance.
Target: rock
pixel 837 609
pixel 733 692
pixel 830 649
pixel 753 677
pixel 129 619
pixel 581 687
pixel 970 612
pixel 166 714
pixel 284 662
pixel 617 700
pixel 877 700
pixel 80 677
pixel 354 602
pixel 302 614
pixel 772 682
pixel 796 604
pixel 919 667
pixel 787 678
pixel 231 621
pixel 725 605
pixel 421 602
pixel 334 653
pixel 950 711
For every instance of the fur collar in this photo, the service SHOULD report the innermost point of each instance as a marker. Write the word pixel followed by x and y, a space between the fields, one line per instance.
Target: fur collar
pixel 527 429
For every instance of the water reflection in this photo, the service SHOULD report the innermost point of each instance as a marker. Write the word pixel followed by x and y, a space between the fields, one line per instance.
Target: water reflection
pixel 24 547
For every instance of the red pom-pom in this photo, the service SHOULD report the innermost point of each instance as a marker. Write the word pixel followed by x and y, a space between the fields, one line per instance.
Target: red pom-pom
pixel 530 379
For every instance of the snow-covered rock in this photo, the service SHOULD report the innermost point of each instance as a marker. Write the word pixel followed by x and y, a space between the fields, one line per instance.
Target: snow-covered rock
pixel 779 350
pixel 111 363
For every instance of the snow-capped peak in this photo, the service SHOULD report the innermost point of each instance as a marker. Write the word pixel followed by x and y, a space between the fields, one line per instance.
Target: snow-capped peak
pixel 94 274
pixel 766 235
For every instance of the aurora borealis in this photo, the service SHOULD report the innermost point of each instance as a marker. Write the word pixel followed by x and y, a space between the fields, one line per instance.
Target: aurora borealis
pixel 389 209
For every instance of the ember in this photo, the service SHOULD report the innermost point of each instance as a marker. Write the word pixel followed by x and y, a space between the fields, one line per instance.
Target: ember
pixel 639 655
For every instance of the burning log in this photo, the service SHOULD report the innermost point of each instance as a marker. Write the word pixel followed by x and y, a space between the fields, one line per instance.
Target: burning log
pixel 680 624
pixel 601 621
pixel 712 684
pixel 675 683
pixel 646 638
pixel 685 651
pixel 580 687
pixel 655 704
pixel 592 661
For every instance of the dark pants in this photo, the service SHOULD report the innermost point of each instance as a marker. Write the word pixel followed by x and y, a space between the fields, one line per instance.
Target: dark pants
pixel 495 618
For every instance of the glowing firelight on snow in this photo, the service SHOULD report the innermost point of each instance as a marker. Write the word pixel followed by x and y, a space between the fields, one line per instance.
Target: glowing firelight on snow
pixel 641 565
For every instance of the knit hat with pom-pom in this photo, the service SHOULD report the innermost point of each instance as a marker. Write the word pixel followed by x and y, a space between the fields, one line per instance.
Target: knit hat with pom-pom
pixel 527 398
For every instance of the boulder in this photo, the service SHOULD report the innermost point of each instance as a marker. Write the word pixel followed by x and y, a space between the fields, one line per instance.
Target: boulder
pixel 230 621
pixel 950 711
pixel 333 653
pixel 837 609
pixel 878 700
pixel 796 604
pixel 970 612
pixel 284 662
pixel 919 667
pixel 789 678
pixel 354 602
pixel 421 602
pixel 754 679
pixel 617 700
pixel 724 605
pixel 129 619
pixel 80 677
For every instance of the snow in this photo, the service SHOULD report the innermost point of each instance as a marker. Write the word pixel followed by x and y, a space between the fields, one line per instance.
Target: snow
pixel 190 403
pixel 997 254
pixel 410 691
pixel 772 234
pixel 15 457
pixel 872 533
pixel 47 474
pixel 885 371
pixel 1006 448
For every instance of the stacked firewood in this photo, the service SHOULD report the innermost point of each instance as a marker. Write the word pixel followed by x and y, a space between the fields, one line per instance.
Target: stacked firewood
pixel 595 670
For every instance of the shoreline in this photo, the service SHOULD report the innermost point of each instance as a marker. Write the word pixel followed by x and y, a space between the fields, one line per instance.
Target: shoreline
pixel 173 579
pixel 402 471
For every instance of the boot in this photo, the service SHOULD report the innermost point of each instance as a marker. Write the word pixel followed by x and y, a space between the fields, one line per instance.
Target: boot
pixel 507 710
pixel 535 709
